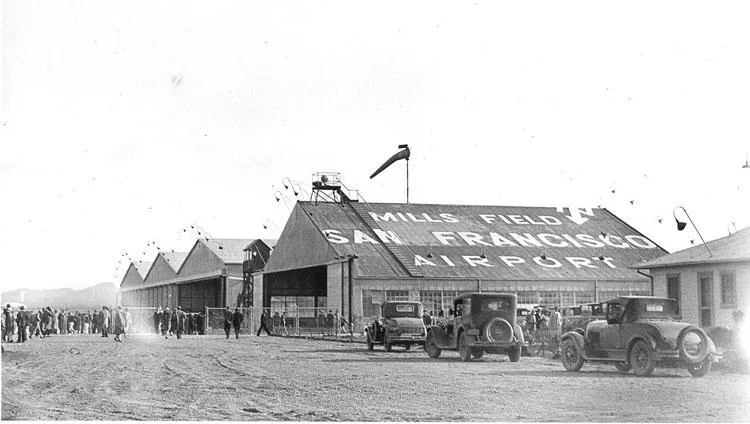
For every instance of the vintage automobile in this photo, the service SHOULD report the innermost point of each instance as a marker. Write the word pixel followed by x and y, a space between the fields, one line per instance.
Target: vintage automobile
pixel 639 333
pixel 575 317
pixel 481 323
pixel 398 323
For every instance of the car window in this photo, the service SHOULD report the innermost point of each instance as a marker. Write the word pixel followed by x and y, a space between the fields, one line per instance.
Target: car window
pixel 614 310
pixel 458 307
pixel 494 304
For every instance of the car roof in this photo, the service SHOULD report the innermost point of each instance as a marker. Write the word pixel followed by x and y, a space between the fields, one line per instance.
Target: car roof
pixel 464 296
pixel 625 298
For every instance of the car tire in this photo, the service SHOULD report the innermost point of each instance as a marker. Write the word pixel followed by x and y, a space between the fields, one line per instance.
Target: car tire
pixel 386 343
pixel 623 367
pixel 570 356
pixel 700 369
pixel 689 355
pixel 477 353
pixel 370 344
pixel 514 354
pixel 464 350
pixel 432 349
pixel 642 358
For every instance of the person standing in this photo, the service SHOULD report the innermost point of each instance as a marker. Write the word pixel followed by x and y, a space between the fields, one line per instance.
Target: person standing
pixel 22 321
pixel 118 322
pixel 180 315
pixel 283 323
pixel 34 324
pixel 157 319
pixel 237 319
pixel 166 323
pixel 228 316
pixel 8 321
pixel 128 322
pixel 105 321
pixel 264 322
pixel 86 319
pixel 63 322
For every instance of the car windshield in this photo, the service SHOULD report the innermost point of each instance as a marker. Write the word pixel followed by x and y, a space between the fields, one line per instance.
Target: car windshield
pixel 397 310
pixel 656 308
pixel 495 304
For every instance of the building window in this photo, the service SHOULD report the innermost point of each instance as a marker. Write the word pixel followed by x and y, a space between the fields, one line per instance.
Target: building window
pixel 584 297
pixel 527 298
pixel 673 289
pixel 396 295
pixel 432 301
pixel 728 290
pixel 551 298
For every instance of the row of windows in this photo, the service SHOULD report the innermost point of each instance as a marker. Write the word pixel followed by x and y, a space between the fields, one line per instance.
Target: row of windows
pixel 728 293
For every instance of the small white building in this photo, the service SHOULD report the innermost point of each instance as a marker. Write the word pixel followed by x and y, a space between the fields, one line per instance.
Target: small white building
pixel 710 282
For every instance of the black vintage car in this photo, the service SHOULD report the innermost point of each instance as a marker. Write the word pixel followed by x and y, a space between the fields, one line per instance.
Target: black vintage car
pixel 481 322
pixel 639 333
pixel 398 323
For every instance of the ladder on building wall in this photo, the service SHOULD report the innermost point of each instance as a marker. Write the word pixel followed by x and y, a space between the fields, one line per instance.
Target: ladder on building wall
pixel 399 252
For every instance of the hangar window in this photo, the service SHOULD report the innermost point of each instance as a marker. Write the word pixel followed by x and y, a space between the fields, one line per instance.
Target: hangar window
pixel 396 295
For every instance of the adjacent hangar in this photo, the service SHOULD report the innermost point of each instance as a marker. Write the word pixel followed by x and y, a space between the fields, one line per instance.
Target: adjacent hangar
pixel 350 255
pixel 210 275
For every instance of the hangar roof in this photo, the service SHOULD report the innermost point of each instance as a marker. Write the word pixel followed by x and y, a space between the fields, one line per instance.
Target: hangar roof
pixel 230 251
pixel 732 248
pixel 395 240
pixel 175 259
pixel 142 267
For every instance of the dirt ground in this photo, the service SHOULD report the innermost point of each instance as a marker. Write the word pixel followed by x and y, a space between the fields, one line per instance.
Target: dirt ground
pixel 273 378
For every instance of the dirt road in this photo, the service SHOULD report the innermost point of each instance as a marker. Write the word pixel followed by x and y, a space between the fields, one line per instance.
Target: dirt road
pixel 271 378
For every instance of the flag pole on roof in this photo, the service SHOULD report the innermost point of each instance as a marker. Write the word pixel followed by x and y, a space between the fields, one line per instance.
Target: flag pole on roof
pixel 402 154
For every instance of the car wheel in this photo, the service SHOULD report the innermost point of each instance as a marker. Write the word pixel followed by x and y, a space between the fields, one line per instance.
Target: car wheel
pixel 386 343
pixel 433 351
pixel 642 359
pixel 477 353
pixel 623 367
pixel 464 350
pixel 700 369
pixel 514 354
pixel 571 357
pixel 370 344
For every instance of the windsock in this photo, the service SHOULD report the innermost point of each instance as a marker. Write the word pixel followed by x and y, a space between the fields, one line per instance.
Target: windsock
pixel 403 154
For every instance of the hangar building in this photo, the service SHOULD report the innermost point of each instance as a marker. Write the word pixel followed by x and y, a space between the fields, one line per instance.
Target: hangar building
pixel 351 255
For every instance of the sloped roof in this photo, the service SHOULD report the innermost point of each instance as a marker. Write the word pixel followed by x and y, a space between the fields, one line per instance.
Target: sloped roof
pixel 175 259
pixel 465 241
pixel 268 242
pixel 230 251
pixel 143 267
pixel 732 248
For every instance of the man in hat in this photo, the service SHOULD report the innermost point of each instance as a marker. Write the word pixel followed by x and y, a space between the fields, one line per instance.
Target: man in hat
pixel 105 321
pixel 7 324
pixel 157 319
pixel 166 323
pixel 228 317
pixel 118 319
pixel 264 322
pixel 22 320
pixel 180 322
pixel 237 319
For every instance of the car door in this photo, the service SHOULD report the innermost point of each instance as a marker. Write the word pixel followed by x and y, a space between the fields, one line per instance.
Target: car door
pixel 611 335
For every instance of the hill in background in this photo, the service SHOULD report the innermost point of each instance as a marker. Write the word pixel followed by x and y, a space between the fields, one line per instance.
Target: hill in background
pixel 89 298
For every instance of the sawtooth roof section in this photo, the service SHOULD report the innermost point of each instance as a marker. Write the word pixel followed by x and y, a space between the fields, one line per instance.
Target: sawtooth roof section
pixel 230 251
pixel 732 248
pixel 459 241
pixel 143 267
pixel 175 259
pixel 268 242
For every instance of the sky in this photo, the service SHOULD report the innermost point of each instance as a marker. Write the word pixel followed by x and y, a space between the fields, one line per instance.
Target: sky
pixel 123 123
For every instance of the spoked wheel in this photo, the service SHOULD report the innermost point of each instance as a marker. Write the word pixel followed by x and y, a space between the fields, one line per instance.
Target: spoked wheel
pixel 700 369
pixel 571 357
pixel 623 367
pixel 464 350
pixel 433 351
pixel 642 359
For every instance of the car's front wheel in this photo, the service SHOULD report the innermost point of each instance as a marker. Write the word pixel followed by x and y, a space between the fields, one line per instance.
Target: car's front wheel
pixel 700 369
pixel 464 350
pixel 623 367
pixel 432 349
pixel 642 359
pixel 571 357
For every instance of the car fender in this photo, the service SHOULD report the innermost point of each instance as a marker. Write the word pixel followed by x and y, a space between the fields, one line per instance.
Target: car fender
pixel 518 332
pixel 438 335
pixel 577 339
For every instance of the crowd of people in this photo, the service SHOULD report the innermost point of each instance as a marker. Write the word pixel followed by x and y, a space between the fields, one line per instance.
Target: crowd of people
pixel 44 322
pixel 177 322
